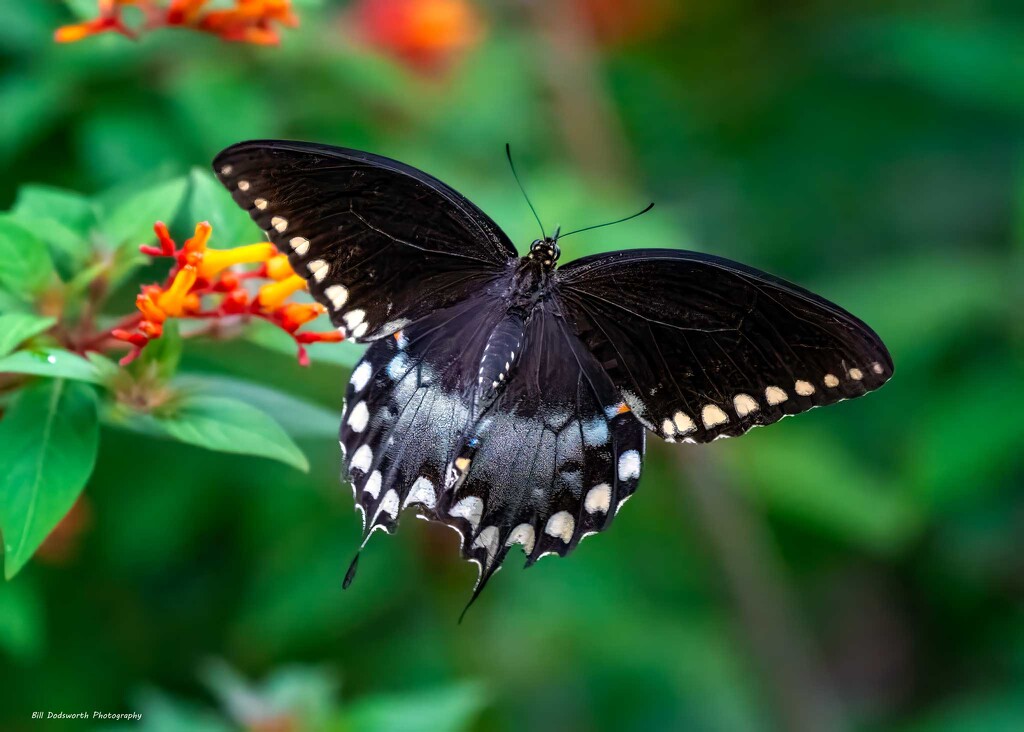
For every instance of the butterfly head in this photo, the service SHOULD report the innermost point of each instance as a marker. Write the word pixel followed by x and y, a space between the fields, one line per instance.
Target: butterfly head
pixel 545 251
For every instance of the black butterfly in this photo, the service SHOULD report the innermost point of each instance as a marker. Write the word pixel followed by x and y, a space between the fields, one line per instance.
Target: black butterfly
pixel 505 397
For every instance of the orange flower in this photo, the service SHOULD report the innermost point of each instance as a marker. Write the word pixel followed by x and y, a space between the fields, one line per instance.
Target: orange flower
pixel 425 34
pixel 249 21
pixel 200 272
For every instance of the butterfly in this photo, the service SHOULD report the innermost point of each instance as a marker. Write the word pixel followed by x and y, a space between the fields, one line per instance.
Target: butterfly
pixel 509 397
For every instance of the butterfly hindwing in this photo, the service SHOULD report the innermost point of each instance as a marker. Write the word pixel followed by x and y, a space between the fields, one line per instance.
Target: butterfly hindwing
pixel 551 459
pixel 702 347
pixel 542 462
pixel 379 242
pixel 407 406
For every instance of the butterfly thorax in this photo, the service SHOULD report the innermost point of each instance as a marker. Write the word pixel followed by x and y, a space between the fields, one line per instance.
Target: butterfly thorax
pixel 544 251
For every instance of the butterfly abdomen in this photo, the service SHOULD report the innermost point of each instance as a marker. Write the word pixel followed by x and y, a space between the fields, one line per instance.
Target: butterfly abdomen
pixel 499 356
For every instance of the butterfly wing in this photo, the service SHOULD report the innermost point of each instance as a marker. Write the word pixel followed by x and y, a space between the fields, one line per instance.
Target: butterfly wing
pixel 551 460
pixel 380 243
pixel 541 463
pixel 703 347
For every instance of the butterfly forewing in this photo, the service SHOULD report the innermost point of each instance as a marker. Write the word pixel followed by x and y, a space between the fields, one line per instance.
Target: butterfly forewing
pixel 702 347
pixel 380 243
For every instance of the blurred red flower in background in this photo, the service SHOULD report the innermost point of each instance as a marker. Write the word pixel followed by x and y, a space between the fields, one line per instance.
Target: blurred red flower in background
pixel 249 21
pixel 427 35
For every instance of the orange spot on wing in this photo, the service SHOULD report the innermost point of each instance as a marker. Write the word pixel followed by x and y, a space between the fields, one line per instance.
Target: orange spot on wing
pixel 622 408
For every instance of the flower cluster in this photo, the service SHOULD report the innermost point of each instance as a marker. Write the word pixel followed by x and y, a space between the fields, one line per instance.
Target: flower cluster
pixel 205 283
pixel 249 21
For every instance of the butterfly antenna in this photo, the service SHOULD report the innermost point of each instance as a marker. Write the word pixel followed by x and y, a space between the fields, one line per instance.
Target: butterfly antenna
pixel 610 223
pixel 508 154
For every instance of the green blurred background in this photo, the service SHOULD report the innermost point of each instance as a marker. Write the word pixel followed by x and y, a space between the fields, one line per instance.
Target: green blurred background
pixel 857 568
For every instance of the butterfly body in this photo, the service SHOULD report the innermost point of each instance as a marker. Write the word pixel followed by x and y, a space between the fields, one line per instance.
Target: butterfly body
pixel 509 399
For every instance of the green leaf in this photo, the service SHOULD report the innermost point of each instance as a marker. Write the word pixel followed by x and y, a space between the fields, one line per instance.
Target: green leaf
pixel 448 709
pixel 160 358
pixel 21 620
pixel 299 417
pixel 48 443
pixel 18 327
pixel 55 363
pixel 219 424
pixel 128 220
pixel 209 201
pixel 64 220
pixel 25 265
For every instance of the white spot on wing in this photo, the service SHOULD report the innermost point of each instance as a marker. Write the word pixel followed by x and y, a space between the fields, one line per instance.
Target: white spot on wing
pixel 372 486
pixel 856 374
pixel 712 416
pixel 598 499
pixel 470 508
pixel 744 404
pixel 361 376
pixel 226 170
pixel 775 395
pixel 360 330
pixel 831 381
pixel 803 388
pixel 280 223
pixel 629 465
pixel 422 492
pixel 488 539
pixel 362 458
pixel 353 318
pixel 338 295
pixel 300 245
pixel 260 203
pixel 390 503
pixel 359 417
pixel 522 534
pixel 561 526
pixel 243 185
pixel 683 423
pixel 317 268
pixel 667 428
pixel 877 367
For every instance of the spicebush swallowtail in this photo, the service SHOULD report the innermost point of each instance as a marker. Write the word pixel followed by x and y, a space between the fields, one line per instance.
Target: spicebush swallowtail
pixel 505 396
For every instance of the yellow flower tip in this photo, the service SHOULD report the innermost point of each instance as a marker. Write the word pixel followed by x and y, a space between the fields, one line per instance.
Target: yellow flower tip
pixel 278 267
pixel 216 260
pixel 272 296
pixel 72 33
pixel 172 300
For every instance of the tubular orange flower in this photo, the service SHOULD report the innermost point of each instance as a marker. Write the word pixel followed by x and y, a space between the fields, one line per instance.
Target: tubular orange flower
pixel 278 268
pixel 216 260
pixel 272 296
pixel 172 300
